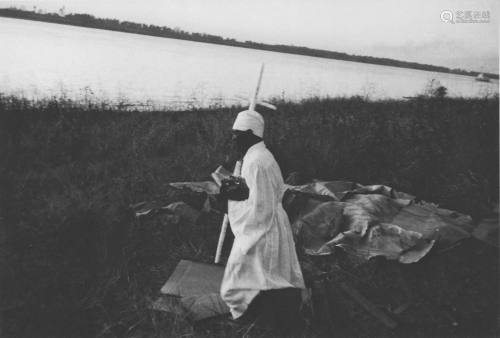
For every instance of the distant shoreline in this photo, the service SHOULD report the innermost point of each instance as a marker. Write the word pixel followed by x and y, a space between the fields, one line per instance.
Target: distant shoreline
pixel 89 21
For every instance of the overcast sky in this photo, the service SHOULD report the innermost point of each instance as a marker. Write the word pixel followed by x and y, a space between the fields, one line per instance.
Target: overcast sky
pixel 399 29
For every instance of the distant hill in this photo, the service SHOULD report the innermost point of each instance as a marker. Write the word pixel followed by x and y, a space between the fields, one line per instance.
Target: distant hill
pixel 86 20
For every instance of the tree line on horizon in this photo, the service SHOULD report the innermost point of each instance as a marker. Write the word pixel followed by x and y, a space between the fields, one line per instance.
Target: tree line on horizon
pixel 87 20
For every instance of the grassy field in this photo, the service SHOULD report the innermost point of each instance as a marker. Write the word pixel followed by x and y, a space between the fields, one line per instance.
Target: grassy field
pixel 76 263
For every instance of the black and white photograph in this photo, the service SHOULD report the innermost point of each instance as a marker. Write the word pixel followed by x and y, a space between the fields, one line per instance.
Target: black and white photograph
pixel 249 168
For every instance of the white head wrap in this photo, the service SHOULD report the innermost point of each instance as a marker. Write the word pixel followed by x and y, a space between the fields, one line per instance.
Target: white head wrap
pixel 250 119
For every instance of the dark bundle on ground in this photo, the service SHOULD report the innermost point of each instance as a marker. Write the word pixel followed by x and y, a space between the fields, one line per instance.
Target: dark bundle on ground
pixel 76 263
pixel 453 293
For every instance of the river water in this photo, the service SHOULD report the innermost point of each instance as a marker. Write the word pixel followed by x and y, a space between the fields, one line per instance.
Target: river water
pixel 40 60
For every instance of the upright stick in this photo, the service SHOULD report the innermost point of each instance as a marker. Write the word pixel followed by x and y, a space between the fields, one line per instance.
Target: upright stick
pixel 222 236
pixel 254 99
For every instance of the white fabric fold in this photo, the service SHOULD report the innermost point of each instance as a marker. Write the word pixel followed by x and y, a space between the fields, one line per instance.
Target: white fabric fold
pixel 250 119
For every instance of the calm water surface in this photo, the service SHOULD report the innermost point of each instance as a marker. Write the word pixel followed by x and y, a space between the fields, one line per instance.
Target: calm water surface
pixel 43 59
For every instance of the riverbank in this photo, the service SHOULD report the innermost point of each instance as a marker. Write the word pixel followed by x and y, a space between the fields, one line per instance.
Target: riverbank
pixel 89 21
pixel 76 264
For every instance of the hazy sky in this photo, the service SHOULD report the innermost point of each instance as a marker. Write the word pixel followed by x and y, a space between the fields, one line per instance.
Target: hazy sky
pixel 399 29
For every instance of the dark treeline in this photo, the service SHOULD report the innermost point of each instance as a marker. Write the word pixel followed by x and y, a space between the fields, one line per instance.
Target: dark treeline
pixel 86 20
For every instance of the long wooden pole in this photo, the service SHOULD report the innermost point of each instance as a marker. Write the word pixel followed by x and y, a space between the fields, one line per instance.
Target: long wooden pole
pixel 254 98
pixel 253 101
pixel 225 223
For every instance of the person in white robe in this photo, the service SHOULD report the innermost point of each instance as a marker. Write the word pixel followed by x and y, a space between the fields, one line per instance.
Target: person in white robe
pixel 263 255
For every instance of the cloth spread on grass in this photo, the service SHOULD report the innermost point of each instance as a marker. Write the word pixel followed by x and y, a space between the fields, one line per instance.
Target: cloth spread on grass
pixel 263 255
pixel 369 221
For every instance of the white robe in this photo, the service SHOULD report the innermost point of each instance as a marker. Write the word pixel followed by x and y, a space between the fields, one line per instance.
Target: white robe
pixel 263 256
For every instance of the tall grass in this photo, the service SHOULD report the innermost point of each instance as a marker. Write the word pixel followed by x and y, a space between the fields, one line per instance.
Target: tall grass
pixel 76 263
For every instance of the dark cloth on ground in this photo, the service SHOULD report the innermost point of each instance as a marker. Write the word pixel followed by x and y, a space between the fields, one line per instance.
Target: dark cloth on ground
pixel 275 309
